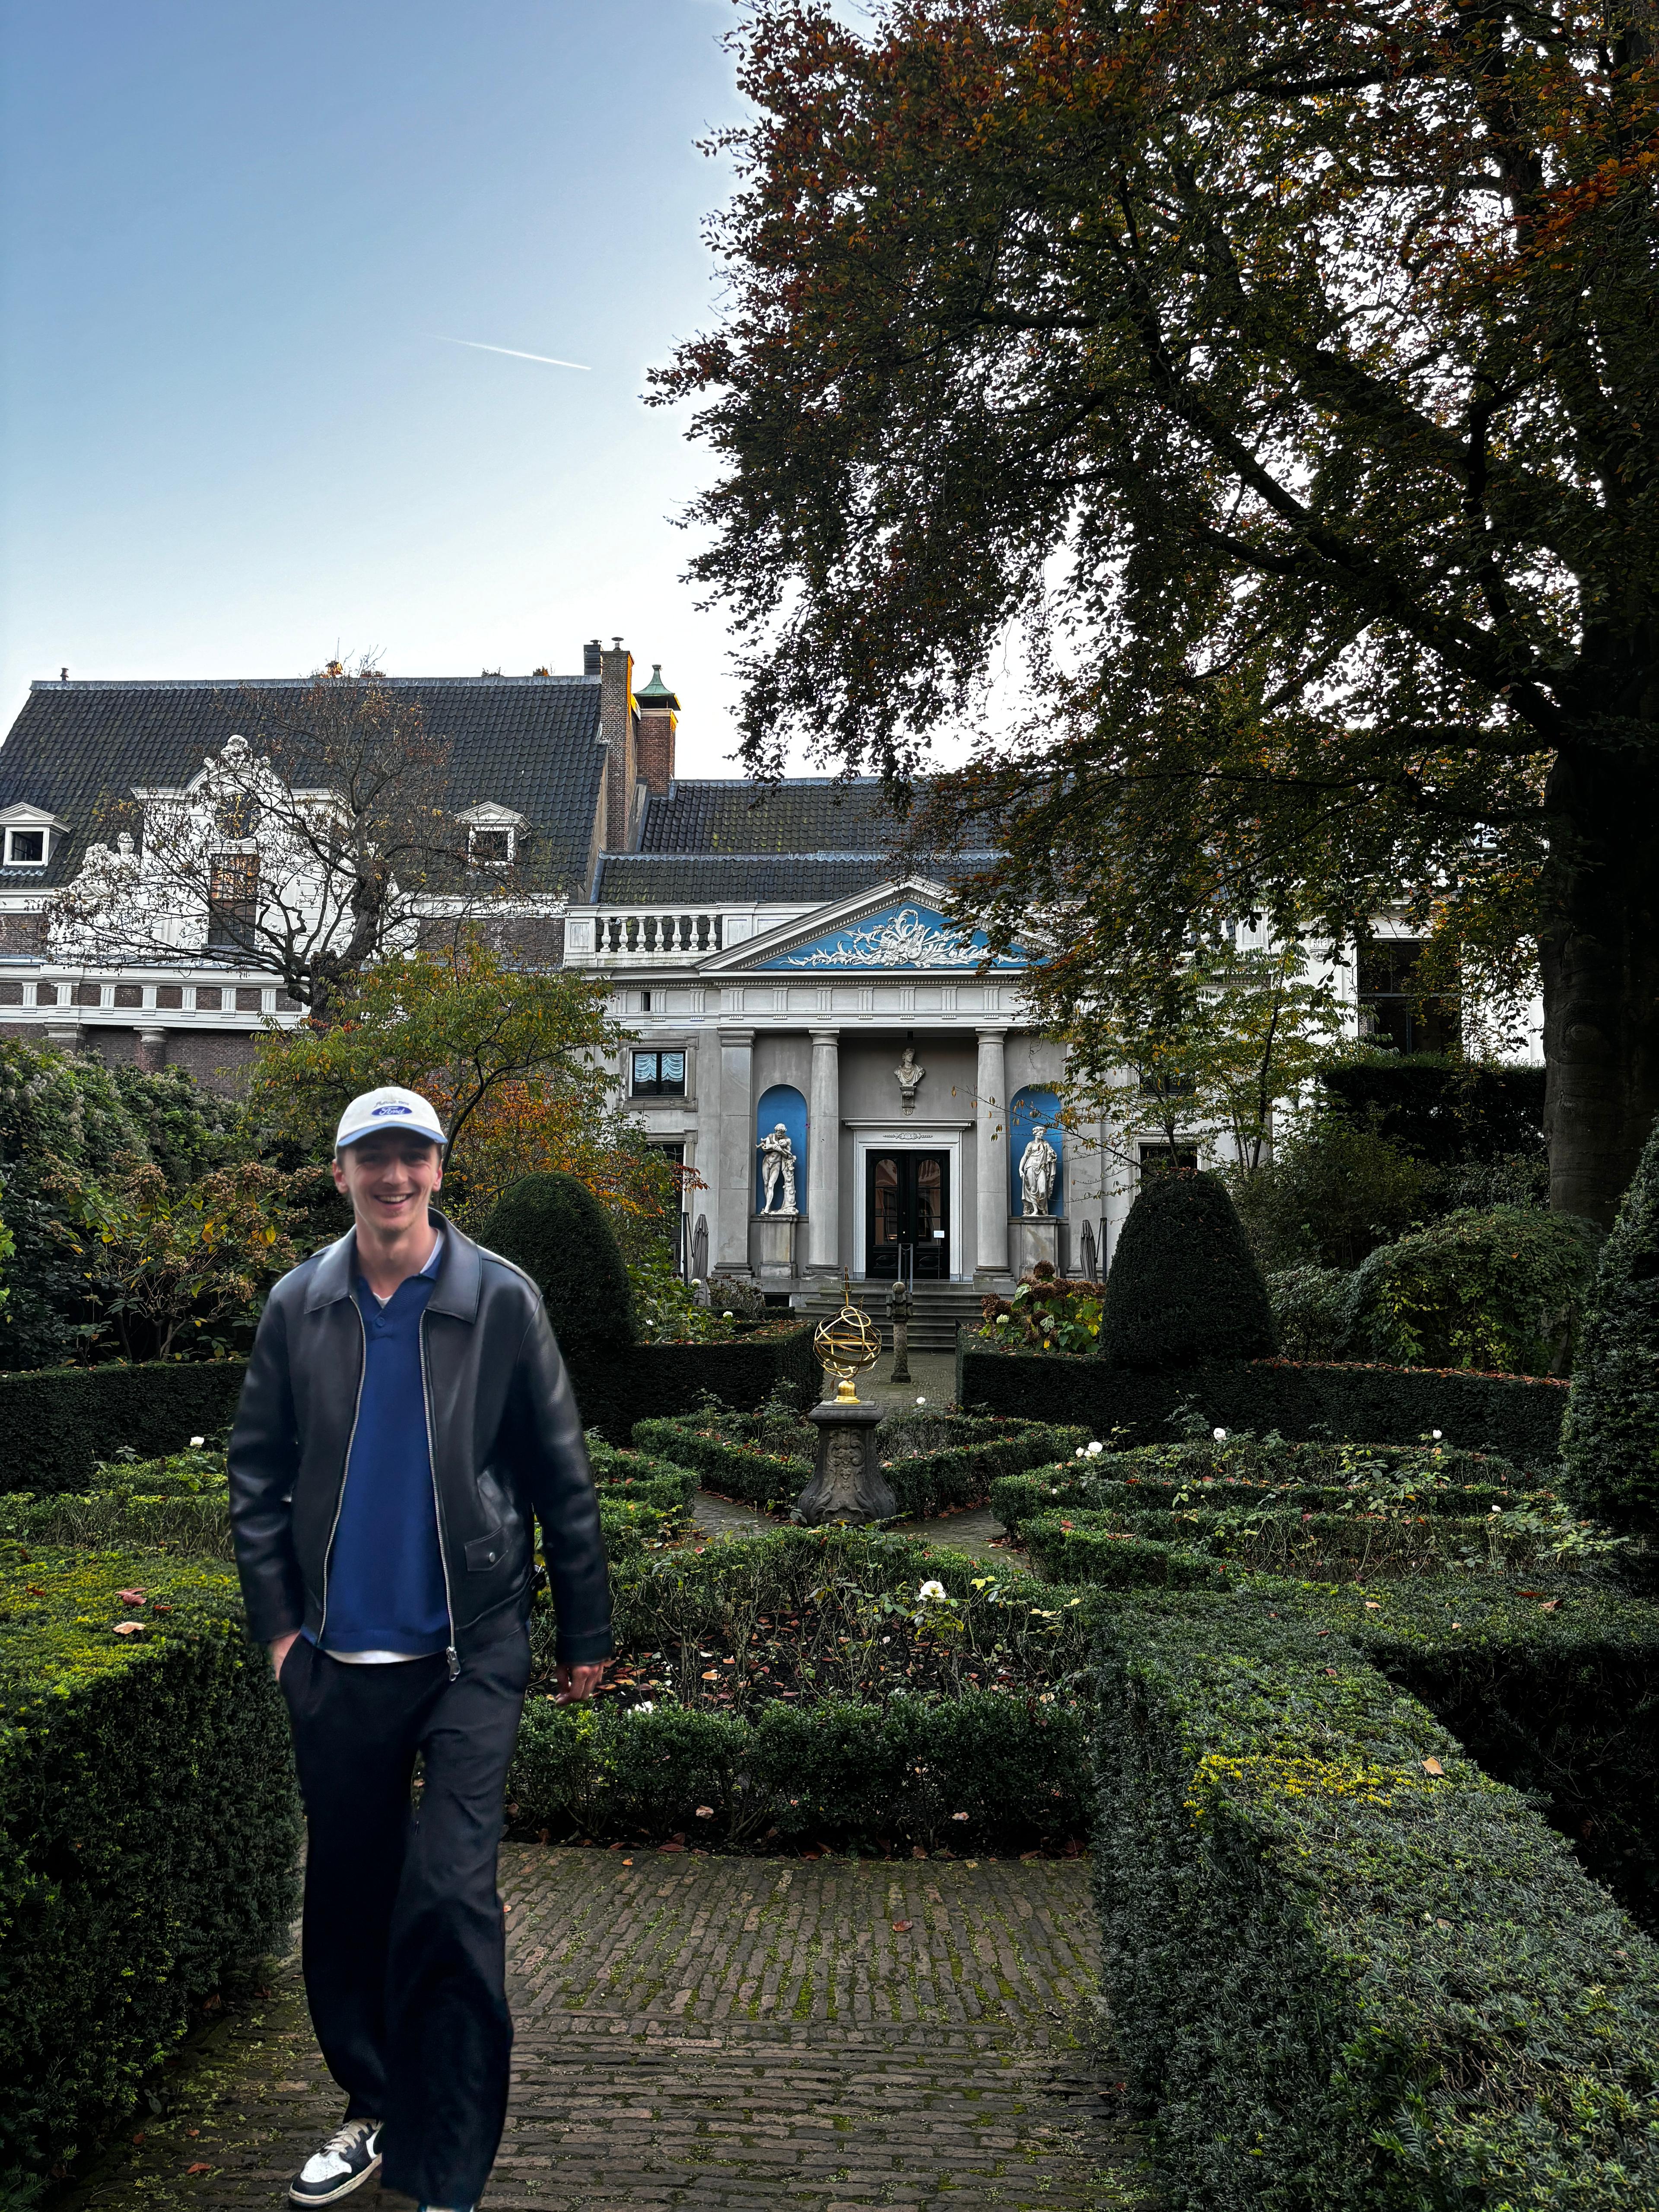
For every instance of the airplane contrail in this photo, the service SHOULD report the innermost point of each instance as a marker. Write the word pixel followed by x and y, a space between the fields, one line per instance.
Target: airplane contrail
pixel 552 361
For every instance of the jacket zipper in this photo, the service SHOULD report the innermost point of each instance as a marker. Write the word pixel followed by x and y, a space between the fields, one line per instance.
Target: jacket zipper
pixel 345 1472
pixel 437 1507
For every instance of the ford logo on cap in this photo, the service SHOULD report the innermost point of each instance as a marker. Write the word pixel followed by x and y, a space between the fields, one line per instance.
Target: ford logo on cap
pixel 391 1106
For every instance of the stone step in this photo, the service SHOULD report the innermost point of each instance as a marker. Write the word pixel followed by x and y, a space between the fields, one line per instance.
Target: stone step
pixel 940 1309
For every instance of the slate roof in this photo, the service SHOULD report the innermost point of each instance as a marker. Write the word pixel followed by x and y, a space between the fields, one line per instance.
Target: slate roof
pixel 673 879
pixel 804 814
pixel 530 742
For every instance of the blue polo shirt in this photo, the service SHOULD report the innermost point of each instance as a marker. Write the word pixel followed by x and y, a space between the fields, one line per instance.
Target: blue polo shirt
pixel 386 1574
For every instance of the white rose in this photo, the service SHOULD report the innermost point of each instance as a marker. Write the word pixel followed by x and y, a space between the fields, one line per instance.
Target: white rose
pixel 931 1590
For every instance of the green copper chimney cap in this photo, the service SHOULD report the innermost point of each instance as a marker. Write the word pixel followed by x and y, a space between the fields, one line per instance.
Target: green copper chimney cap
pixel 656 693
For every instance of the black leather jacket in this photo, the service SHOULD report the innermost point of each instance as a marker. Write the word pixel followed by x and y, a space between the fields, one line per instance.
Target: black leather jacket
pixel 504 1433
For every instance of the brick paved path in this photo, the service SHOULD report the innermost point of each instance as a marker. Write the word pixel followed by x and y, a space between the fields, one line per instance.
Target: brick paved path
pixel 742 2034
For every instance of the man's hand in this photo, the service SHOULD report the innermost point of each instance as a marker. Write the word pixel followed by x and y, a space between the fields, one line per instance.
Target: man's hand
pixel 279 1647
pixel 576 1683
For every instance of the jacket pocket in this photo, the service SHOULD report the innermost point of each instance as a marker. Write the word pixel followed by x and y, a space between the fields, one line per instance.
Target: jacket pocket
pixel 485 1552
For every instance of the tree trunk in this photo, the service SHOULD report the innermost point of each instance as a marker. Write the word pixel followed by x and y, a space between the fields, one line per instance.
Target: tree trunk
pixel 1601 970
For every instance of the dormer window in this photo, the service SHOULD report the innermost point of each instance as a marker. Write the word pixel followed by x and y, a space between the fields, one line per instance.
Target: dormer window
pixel 29 836
pixel 492 832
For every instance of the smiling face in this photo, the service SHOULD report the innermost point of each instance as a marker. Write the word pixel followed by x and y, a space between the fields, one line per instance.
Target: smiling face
pixel 389 1177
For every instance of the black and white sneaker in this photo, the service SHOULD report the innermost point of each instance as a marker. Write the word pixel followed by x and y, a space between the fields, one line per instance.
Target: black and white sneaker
pixel 350 2157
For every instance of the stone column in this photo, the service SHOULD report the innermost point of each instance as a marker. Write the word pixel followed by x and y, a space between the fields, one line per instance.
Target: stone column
pixel 823 1156
pixel 735 1188
pixel 152 1050
pixel 991 1254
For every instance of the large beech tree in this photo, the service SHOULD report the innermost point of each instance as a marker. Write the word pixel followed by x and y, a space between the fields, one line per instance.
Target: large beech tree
pixel 1288 368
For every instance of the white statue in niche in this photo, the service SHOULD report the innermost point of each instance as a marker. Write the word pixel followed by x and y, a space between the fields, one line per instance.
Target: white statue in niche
pixel 907 1075
pixel 777 1171
pixel 1039 1165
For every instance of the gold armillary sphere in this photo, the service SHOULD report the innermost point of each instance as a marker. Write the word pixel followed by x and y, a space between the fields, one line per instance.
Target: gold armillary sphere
pixel 846 1346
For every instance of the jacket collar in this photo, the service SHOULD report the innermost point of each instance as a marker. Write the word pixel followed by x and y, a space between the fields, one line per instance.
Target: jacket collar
pixel 460 1273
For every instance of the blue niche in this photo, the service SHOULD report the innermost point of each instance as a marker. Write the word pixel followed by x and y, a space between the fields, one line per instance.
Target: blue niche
pixel 782 1102
pixel 1035 1107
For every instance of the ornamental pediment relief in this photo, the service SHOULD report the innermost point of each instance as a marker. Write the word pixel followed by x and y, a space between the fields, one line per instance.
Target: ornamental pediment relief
pixel 899 929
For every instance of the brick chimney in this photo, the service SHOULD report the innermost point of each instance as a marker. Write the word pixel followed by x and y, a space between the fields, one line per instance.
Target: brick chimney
pixel 617 727
pixel 659 716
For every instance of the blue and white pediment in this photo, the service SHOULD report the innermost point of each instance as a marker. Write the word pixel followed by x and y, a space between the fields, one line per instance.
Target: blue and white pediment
pixel 906 936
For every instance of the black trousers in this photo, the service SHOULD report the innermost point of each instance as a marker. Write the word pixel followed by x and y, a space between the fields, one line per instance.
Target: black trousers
pixel 404 1951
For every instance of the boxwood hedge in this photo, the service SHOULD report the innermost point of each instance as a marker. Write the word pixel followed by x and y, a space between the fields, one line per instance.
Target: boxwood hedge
pixel 1348 1968
pixel 767 1462
pixel 1519 1416
pixel 149 1828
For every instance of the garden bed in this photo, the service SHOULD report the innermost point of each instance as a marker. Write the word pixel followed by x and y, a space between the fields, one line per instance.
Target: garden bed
pixel 936 1462
pixel 859 1688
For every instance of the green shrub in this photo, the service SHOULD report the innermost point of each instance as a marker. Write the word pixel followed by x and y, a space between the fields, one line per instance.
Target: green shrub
pixel 1310 1311
pixel 1183 1286
pixel 56 1108
pixel 729 1457
pixel 1332 1192
pixel 554 1228
pixel 1610 1444
pixel 1442 1112
pixel 1348 1968
pixel 871 1776
pixel 150 1829
pixel 61 1421
pixel 1516 1415
pixel 1499 1293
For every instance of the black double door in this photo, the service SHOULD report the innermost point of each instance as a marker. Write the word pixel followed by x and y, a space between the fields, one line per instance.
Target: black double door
pixel 907 1213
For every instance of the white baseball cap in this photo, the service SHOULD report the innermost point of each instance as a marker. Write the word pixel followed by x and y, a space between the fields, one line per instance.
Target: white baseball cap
pixel 391 1109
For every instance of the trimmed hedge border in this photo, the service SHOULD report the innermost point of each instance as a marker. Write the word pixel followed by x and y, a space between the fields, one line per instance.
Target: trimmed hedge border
pixel 643 1382
pixel 1517 1415
pixel 867 1774
pixel 149 1829
pixel 924 1483
pixel 1348 1969
pixel 61 1421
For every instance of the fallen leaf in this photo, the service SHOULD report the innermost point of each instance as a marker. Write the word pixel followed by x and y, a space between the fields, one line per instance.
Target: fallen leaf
pixel 1432 1766
pixel 1549 1605
pixel 1371 1605
pixel 903 1927
pixel 129 1627
pixel 131 1597
pixel 705 1812
pixel 200 2166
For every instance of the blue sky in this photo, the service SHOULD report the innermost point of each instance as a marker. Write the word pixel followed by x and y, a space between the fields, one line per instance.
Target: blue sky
pixel 235 239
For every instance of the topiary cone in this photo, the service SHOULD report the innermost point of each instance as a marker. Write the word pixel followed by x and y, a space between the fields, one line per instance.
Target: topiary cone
pixel 1610 1438
pixel 1184 1285
pixel 554 1229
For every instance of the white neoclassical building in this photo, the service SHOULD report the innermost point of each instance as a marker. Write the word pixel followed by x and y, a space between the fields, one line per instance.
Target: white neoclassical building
pixel 852 1088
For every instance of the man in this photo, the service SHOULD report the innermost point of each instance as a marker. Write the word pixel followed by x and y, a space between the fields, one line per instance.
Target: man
pixel 406 1414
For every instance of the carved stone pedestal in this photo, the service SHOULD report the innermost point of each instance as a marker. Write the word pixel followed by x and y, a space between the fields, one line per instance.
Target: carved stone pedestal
pixel 1032 1238
pixel 772 1248
pixel 847 1485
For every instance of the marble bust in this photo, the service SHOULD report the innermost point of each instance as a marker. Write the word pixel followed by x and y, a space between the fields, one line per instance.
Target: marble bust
pixel 907 1075
pixel 777 1157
